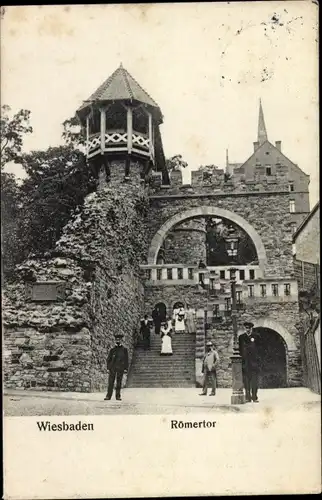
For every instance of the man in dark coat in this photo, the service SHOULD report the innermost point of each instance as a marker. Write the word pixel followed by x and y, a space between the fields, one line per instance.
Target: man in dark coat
pixel 117 364
pixel 157 320
pixel 145 331
pixel 248 348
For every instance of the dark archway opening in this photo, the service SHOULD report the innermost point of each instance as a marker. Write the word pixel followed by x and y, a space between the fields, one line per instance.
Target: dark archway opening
pixel 272 353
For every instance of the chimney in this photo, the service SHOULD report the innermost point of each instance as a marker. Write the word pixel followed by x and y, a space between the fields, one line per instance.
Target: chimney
pixel 278 145
pixel 256 145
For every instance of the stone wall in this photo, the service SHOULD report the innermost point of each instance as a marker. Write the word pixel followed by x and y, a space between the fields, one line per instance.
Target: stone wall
pixel 62 345
pixel 186 243
pixel 284 314
pixel 267 213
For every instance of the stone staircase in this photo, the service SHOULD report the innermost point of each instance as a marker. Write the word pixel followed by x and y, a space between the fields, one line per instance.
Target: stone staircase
pixel 149 369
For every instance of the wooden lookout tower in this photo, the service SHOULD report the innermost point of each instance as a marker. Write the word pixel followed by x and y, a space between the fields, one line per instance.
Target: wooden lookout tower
pixel 122 122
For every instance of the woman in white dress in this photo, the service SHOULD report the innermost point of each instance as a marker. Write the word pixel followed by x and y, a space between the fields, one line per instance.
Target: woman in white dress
pixel 166 342
pixel 190 320
pixel 179 325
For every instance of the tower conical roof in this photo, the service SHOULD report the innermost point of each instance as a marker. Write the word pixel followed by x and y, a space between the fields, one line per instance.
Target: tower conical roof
pixel 120 86
pixel 262 134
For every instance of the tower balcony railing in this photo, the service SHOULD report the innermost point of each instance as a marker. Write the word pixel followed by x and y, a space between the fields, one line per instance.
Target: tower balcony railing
pixel 118 141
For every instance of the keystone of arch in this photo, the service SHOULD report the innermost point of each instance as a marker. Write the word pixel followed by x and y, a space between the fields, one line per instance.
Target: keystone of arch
pixel 205 211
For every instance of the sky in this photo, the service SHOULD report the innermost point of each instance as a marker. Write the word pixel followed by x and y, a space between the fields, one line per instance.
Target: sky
pixel 205 64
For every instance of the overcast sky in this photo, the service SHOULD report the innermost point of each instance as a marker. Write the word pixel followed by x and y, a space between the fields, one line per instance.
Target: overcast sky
pixel 206 65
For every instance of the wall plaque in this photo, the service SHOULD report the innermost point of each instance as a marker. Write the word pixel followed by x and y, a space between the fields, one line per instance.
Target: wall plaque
pixel 45 291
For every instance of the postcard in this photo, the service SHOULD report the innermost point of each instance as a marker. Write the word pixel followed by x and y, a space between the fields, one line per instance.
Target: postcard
pixel 160 250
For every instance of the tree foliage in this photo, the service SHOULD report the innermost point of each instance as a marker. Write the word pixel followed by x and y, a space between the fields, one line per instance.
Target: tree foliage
pixel 57 183
pixel 10 214
pixel 176 162
pixel 13 130
pixel 73 134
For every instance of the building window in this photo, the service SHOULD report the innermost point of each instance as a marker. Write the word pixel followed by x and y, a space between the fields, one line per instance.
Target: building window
pixel 287 289
pixel 216 310
pixel 238 297
pixel 292 206
pixel 268 170
pixel 180 273
pixel 222 275
pixel 211 283
pixel 250 290
pixel 275 290
pixel 159 274
pixel 291 186
pixel 228 304
pixel 263 290
pixel 190 273
pixel 169 274
pixel 251 274
pixel 241 274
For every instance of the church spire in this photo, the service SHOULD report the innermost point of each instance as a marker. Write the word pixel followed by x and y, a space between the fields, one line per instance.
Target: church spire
pixel 262 134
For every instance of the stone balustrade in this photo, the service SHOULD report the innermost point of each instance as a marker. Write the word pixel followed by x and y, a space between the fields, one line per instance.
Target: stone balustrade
pixel 176 274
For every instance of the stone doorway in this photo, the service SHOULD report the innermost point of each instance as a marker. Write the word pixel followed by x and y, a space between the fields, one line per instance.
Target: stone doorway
pixel 273 356
pixel 162 308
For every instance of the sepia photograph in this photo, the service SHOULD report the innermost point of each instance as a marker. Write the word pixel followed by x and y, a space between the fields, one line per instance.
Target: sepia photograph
pixel 161 238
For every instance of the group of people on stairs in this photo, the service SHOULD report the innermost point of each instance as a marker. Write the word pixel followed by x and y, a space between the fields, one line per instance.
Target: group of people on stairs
pixel 183 320
pixel 118 360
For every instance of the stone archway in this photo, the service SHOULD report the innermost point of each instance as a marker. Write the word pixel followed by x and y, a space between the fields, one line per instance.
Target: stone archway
pixel 205 211
pixel 277 327
pixel 275 348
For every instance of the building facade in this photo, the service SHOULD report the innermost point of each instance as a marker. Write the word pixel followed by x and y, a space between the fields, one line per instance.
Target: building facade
pixel 139 241
pixel 268 159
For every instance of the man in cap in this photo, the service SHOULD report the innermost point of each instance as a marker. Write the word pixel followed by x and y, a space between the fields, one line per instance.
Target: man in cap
pixel 209 366
pixel 248 348
pixel 117 364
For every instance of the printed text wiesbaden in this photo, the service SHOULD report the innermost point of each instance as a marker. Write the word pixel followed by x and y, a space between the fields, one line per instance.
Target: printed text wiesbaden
pixel 64 426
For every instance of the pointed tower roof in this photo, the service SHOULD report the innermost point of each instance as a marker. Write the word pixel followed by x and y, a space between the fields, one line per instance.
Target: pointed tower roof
pixel 261 134
pixel 120 86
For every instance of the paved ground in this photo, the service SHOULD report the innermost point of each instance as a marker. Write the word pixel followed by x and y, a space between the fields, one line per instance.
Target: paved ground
pixel 152 401
pixel 269 447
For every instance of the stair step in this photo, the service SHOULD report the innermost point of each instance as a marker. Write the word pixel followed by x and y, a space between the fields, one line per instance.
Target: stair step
pixel 149 369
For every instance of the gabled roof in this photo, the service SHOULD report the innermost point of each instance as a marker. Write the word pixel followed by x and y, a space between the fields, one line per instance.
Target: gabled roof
pixel 305 221
pixel 120 86
pixel 280 154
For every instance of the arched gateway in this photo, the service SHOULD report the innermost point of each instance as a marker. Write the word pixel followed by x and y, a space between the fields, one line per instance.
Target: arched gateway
pixel 206 211
pixel 275 346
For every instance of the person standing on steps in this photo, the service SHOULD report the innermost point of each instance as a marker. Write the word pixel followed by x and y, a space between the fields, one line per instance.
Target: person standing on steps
pixel 248 348
pixel 156 316
pixel 190 320
pixel 166 341
pixel 209 365
pixel 145 332
pixel 117 364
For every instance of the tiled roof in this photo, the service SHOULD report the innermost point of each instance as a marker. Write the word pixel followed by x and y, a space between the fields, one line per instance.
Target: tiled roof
pixel 120 86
